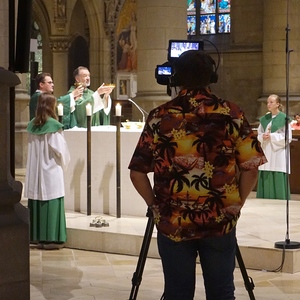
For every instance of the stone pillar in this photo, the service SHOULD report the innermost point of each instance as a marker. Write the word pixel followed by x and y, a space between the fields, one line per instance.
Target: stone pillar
pixel 22 99
pixel 157 22
pixel 59 47
pixel 279 18
pixel 14 220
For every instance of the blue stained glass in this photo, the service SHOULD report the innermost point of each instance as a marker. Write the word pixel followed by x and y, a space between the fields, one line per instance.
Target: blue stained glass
pixel 191 6
pixel 208 17
pixel 191 25
pixel 224 23
pixel 224 6
pixel 208 24
pixel 208 6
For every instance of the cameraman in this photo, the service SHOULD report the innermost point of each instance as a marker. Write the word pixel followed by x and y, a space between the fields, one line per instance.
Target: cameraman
pixel 205 157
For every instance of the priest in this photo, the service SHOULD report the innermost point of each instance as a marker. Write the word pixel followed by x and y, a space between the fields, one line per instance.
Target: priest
pixel 75 106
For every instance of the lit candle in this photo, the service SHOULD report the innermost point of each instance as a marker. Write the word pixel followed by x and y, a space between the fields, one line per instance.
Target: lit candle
pixel 89 109
pixel 118 110
pixel 60 110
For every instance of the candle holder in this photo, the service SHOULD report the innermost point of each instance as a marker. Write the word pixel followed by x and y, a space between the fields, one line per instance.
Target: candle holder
pixel 60 119
pixel 88 172
pixel 118 169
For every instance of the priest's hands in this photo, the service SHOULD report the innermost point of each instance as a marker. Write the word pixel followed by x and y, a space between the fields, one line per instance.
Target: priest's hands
pixel 78 92
pixel 105 89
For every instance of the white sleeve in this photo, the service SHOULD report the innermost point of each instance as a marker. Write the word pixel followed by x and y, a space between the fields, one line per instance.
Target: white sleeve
pixel 72 103
pixel 59 145
pixel 278 138
pixel 99 103
pixel 260 133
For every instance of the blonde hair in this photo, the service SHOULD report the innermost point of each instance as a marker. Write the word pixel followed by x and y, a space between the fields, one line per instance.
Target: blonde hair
pixel 278 100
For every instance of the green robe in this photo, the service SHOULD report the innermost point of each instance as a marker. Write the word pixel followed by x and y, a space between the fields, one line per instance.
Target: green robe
pixel 33 104
pixel 78 117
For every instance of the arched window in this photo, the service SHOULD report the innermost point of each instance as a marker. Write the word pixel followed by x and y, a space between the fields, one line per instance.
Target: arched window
pixel 207 17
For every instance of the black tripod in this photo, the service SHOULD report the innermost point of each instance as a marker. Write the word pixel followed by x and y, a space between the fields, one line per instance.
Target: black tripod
pixel 137 275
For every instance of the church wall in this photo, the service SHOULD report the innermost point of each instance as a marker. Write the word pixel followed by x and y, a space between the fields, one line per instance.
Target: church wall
pixel 240 80
pixel 252 57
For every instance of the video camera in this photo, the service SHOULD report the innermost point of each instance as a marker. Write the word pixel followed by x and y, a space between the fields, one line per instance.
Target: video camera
pixel 176 48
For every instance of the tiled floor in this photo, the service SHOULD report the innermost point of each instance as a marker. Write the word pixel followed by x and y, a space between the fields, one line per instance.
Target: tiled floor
pixel 77 274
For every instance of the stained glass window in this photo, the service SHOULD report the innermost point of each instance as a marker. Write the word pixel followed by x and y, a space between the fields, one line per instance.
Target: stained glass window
pixel 208 17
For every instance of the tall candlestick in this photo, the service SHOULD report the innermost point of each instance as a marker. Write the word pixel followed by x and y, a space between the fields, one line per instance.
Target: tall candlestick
pixel 118 110
pixel 60 110
pixel 89 109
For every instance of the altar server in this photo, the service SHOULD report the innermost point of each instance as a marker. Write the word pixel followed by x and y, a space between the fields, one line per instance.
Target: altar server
pixel 48 157
pixel 272 178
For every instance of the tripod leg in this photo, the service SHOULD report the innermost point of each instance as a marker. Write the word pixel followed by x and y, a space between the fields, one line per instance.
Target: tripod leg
pixel 247 280
pixel 137 275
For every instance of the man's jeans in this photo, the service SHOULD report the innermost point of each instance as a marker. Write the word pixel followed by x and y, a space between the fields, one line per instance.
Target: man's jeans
pixel 217 258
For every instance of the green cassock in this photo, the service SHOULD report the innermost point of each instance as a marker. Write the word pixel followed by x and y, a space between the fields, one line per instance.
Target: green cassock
pixel 33 104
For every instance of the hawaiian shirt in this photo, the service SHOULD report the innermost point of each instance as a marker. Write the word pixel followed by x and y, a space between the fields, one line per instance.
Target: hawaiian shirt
pixel 196 145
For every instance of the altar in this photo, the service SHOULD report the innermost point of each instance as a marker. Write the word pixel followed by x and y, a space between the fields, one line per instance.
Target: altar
pixel 104 176
pixel 103 171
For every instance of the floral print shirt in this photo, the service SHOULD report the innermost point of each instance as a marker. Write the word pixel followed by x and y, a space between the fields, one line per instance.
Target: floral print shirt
pixel 196 145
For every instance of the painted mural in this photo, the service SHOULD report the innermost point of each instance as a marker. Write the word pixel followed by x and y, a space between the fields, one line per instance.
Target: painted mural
pixel 126 33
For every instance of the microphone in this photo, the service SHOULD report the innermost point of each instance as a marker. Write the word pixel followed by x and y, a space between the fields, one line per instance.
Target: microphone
pixel 139 108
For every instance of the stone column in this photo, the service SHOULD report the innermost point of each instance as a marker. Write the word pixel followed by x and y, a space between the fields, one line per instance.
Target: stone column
pixel 60 47
pixel 280 18
pixel 157 22
pixel 22 99
pixel 14 220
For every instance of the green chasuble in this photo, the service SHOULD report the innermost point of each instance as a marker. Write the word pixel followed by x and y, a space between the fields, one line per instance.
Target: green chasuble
pixel 78 117
pixel 100 118
pixel 33 104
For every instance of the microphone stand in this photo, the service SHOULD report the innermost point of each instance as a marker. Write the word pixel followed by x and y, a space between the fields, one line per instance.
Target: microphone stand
pixel 139 108
pixel 287 244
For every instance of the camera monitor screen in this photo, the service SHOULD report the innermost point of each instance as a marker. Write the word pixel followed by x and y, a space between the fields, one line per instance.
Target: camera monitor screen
pixel 176 47
pixel 164 70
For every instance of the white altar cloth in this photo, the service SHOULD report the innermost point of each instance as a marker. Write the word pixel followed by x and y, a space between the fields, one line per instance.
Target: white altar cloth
pixel 103 171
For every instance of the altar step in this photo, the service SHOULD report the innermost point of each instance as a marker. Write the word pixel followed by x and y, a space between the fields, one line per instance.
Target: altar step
pixel 125 236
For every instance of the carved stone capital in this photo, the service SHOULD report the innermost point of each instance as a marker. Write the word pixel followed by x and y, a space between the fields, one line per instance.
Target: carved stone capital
pixel 59 44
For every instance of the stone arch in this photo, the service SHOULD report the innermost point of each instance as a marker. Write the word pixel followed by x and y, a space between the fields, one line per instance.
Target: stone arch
pixel 78 56
pixel 41 16
pixel 97 51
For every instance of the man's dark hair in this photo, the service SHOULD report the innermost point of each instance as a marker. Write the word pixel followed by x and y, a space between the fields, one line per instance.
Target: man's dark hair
pixel 41 78
pixel 193 69
pixel 77 70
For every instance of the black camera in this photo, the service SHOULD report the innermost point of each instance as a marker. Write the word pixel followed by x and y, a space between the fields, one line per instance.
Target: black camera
pixel 163 73
pixel 176 48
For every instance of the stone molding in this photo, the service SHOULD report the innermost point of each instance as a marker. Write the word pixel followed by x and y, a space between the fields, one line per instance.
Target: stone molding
pixel 59 44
